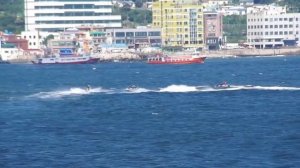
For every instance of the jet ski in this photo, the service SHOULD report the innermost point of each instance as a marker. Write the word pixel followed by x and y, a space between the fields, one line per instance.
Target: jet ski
pixel 223 85
pixel 88 88
pixel 131 88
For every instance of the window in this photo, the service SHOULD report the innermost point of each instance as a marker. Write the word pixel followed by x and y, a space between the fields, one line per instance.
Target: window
pixel 154 33
pixel 285 26
pixel 266 26
pixel 271 33
pixel 266 19
pixel 140 34
pixel 290 19
pixel 120 34
pixel 280 26
pixel 129 34
pixel 290 26
pixel 266 33
pixel 276 26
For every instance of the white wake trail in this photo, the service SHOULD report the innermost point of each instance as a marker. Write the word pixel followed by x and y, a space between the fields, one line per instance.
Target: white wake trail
pixel 179 88
pixel 70 92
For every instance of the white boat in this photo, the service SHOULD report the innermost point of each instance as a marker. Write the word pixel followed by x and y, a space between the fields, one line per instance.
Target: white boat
pixel 66 60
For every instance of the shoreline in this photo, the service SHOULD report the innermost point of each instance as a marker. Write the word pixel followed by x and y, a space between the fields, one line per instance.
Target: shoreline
pixel 232 53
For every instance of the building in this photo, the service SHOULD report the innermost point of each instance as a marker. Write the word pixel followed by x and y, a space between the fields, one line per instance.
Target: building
pixel 17 41
pixel 180 21
pixel 213 30
pixel 13 47
pixel 233 10
pixel 271 26
pixel 135 38
pixel 247 2
pixel 9 52
pixel 217 2
pixel 57 15
pixel 34 39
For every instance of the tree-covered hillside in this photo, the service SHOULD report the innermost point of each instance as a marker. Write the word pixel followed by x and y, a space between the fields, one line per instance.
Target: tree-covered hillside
pixel 235 28
pixel 134 17
pixel 12 15
pixel 292 5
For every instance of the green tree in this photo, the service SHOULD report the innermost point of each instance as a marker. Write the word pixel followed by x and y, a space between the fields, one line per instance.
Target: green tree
pixel 138 3
pixel 49 37
pixel 135 16
pixel 235 28
pixel 12 15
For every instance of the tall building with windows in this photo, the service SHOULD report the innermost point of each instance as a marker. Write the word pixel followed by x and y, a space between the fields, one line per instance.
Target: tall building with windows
pixel 271 26
pixel 181 22
pixel 57 15
pixel 213 30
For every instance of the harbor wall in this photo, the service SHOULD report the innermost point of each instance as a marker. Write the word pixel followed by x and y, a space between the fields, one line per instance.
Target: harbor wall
pixel 118 56
pixel 252 52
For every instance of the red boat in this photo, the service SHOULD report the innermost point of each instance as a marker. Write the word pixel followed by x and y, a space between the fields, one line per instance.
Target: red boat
pixel 192 59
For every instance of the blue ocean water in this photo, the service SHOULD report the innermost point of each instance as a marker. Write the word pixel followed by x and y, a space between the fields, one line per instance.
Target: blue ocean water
pixel 174 118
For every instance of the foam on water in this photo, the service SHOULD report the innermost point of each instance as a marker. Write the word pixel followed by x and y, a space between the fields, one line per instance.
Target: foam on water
pixel 271 88
pixel 70 92
pixel 137 90
pixel 170 89
pixel 179 88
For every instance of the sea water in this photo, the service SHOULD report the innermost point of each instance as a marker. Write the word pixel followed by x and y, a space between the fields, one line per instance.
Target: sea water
pixel 174 117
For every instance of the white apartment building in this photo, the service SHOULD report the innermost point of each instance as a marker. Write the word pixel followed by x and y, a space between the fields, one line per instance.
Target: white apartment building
pixel 58 15
pixel 271 26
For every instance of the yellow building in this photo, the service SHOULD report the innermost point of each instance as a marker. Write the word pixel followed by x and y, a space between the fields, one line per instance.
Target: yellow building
pixel 181 22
